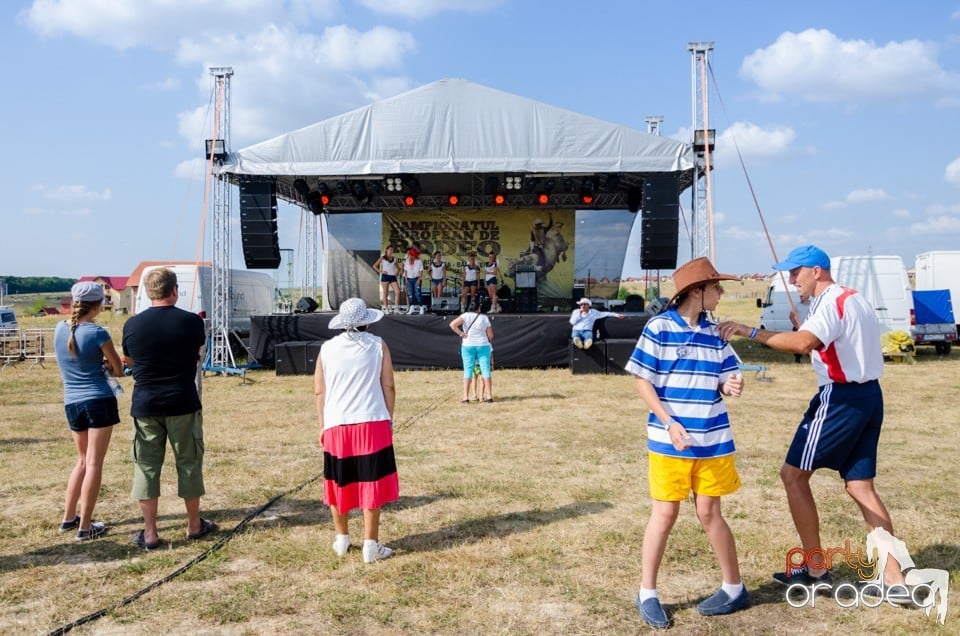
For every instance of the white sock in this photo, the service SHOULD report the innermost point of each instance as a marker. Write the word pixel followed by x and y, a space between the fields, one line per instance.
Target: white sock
pixel 647 594
pixel 733 590
pixel 367 542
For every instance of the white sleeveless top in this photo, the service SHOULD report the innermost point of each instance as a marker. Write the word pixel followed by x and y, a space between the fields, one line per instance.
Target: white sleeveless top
pixel 470 274
pixel 436 271
pixel 352 363
pixel 388 267
pixel 490 269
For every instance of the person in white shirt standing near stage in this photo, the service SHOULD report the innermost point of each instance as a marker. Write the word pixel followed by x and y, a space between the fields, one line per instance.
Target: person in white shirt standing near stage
pixel 840 429
pixel 412 271
pixel 582 320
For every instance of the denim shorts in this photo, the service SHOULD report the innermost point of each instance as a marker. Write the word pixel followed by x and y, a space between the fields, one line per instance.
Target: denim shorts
pixel 96 413
pixel 388 278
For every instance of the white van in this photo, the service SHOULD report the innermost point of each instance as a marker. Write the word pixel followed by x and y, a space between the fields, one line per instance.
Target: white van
pixel 883 281
pixel 776 306
pixel 251 293
pixel 940 270
pixel 8 319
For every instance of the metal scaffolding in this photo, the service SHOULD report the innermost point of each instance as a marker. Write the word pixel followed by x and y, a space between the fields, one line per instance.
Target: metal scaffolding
pixel 701 239
pixel 219 354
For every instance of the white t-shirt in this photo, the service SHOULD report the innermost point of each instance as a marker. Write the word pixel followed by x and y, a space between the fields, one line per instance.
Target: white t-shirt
pixel 843 320
pixel 475 326
pixel 414 269
pixel 437 271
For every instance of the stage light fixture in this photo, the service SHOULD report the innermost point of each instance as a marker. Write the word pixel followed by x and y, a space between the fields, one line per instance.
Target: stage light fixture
pixel 530 183
pixel 342 188
pixel 216 148
pixel 613 180
pixel 569 184
pixel 412 184
pixel 453 200
pixel 704 140
pixel 359 190
pixel 586 199
pixel 315 202
pixel 394 184
pixel 300 185
pixel 409 200
pixel 324 191
pixel 588 188
pixel 513 182
pixel 549 185
pixel 377 187
pixel 499 198
pixel 543 198
pixel 493 184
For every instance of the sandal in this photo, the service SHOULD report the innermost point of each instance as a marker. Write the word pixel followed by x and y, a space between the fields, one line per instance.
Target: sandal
pixel 206 527
pixel 488 399
pixel 139 541
pixel 464 401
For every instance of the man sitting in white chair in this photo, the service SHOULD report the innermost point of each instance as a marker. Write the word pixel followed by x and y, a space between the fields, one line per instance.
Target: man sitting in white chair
pixel 582 319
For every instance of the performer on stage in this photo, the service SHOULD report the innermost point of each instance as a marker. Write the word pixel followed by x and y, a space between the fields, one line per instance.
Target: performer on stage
pixel 412 271
pixel 386 267
pixel 438 275
pixel 491 273
pixel 471 282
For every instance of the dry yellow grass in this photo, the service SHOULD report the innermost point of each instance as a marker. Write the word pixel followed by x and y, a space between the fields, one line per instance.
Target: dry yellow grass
pixel 524 516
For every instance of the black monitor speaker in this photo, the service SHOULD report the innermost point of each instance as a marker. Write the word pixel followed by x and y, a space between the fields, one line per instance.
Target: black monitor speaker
pixel 306 305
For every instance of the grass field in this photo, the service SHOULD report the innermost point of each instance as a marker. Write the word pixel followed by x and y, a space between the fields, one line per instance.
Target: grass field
pixel 524 516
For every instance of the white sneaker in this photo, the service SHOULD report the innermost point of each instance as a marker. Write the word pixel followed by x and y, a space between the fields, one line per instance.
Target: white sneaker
pixel 374 551
pixel 421 309
pixel 341 543
pixel 411 309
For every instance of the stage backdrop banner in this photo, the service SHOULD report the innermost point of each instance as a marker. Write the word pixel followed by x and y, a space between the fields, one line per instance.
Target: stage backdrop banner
pixel 538 239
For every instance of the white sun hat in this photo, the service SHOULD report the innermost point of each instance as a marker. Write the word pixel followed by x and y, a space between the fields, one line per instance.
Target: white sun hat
pixel 354 313
pixel 585 301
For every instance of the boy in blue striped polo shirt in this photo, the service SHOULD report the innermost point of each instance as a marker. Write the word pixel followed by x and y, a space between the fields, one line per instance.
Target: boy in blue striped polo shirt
pixel 682 369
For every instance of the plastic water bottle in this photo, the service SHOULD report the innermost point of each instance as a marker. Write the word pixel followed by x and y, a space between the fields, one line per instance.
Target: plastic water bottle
pixel 113 383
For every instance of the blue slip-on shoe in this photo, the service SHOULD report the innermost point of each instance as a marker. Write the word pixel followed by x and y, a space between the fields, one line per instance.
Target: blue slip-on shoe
pixel 652 613
pixel 721 603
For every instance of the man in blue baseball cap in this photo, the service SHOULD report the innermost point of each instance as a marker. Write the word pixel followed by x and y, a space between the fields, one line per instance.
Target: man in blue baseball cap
pixel 840 429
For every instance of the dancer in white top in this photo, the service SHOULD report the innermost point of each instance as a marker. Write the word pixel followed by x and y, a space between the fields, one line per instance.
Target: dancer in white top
pixel 438 275
pixel 386 267
pixel 471 275
pixel 491 275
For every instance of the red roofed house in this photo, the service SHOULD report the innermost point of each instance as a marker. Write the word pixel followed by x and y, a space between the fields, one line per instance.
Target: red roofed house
pixel 114 298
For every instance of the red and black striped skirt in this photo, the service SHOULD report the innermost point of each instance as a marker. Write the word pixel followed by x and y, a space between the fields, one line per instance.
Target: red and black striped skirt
pixel 359 469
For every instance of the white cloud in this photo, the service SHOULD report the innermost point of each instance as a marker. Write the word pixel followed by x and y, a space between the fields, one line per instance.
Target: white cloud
pixel 833 205
pixel 859 196
pixel 936 226
pixel 753 141
pixel 952 173
pixel 72 193
pixel 161 24
pixel 162 86
pixel 419 9
pixel 939 208
pixel 815 65
pixel 901 213
pixel 284 79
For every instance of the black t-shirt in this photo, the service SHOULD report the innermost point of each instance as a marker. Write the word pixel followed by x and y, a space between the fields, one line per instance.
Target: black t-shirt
pixel 164 343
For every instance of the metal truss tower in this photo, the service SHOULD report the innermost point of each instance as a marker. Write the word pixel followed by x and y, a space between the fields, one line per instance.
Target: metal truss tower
pixel 654 124
pixel 702 239
pixel 219 355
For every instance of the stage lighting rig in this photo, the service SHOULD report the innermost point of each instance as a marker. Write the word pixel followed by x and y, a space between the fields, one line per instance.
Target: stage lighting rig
pixel 300 185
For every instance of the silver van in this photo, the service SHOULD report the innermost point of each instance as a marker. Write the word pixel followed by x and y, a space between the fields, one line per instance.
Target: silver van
pixel 8 319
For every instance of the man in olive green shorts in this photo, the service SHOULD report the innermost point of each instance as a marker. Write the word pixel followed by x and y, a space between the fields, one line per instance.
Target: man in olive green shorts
pixel 162 345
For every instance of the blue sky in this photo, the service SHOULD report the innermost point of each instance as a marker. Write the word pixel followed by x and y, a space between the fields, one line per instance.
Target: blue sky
pixel 846 112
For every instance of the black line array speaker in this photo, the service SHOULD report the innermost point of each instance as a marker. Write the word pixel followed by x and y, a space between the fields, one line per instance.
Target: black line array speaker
pixel 525 300
pixel 660 223
pixel 258 224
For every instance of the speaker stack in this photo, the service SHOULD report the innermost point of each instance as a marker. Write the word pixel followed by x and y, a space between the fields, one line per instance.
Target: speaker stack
pixel 258 223
pixel 660 223
pixel 525 294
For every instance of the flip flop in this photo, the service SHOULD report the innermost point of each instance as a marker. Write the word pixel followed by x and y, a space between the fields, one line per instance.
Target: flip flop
pixel 139 541
pixel 206 527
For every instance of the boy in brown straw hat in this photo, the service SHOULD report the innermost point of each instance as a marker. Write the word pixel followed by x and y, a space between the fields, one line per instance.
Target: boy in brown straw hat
pixel 682 369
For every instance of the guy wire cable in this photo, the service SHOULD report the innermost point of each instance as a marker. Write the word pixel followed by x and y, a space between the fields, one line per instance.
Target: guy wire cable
pixel 239 528
pixel 753 194
pixel 63 629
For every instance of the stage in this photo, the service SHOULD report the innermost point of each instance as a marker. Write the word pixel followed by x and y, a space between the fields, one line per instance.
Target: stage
pixel 290 343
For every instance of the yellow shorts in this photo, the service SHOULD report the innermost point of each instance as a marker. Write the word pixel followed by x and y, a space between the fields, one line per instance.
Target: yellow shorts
pixel 672 478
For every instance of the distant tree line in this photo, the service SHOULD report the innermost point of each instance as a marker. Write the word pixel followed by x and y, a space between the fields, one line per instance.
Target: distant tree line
pixel 37 284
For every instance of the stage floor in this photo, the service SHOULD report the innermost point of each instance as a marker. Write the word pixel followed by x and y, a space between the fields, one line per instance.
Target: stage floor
pixel 427 342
